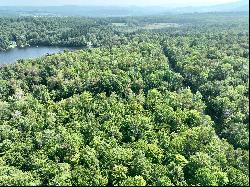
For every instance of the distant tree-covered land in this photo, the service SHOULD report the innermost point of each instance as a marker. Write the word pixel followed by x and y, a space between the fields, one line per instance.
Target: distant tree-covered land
pixel 158 101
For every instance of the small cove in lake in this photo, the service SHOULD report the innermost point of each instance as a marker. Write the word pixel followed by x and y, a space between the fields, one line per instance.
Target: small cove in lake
pixel 11 56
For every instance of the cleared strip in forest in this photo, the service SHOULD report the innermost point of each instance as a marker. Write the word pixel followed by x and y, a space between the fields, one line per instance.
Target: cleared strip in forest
pixel 173 66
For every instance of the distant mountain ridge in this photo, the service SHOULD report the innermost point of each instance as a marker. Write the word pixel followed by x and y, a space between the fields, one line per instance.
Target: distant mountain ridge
pixel 239 6
pixel 112 11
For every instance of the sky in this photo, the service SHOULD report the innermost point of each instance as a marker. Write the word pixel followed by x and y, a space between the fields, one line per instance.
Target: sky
pixel 172 3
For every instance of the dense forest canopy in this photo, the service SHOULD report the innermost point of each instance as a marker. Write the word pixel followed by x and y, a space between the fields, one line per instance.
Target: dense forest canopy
pixel 158 101
pixel 98 32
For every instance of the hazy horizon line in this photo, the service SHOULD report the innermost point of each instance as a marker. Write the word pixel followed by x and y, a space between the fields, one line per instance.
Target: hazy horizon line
pixel 123 5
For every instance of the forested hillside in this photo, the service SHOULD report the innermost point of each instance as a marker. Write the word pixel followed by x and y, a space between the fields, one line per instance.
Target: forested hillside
pixel 162 106
pixel 46 31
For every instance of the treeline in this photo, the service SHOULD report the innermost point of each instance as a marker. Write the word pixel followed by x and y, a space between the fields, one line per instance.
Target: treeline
pixel 56 31
pixel 101 32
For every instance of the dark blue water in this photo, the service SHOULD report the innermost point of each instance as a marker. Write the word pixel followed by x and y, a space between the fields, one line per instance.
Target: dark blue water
pixel 12 55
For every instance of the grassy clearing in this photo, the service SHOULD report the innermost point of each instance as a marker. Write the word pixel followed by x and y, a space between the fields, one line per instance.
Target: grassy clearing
pixel 160 25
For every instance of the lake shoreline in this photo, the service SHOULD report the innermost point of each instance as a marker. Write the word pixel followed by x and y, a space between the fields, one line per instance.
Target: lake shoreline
pixel 11 56
pixel 37 46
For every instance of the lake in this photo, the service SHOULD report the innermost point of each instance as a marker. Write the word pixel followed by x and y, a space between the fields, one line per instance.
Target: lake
pixel 12 55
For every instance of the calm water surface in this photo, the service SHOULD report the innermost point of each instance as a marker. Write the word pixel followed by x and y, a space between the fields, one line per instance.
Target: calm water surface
pixel 12 55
